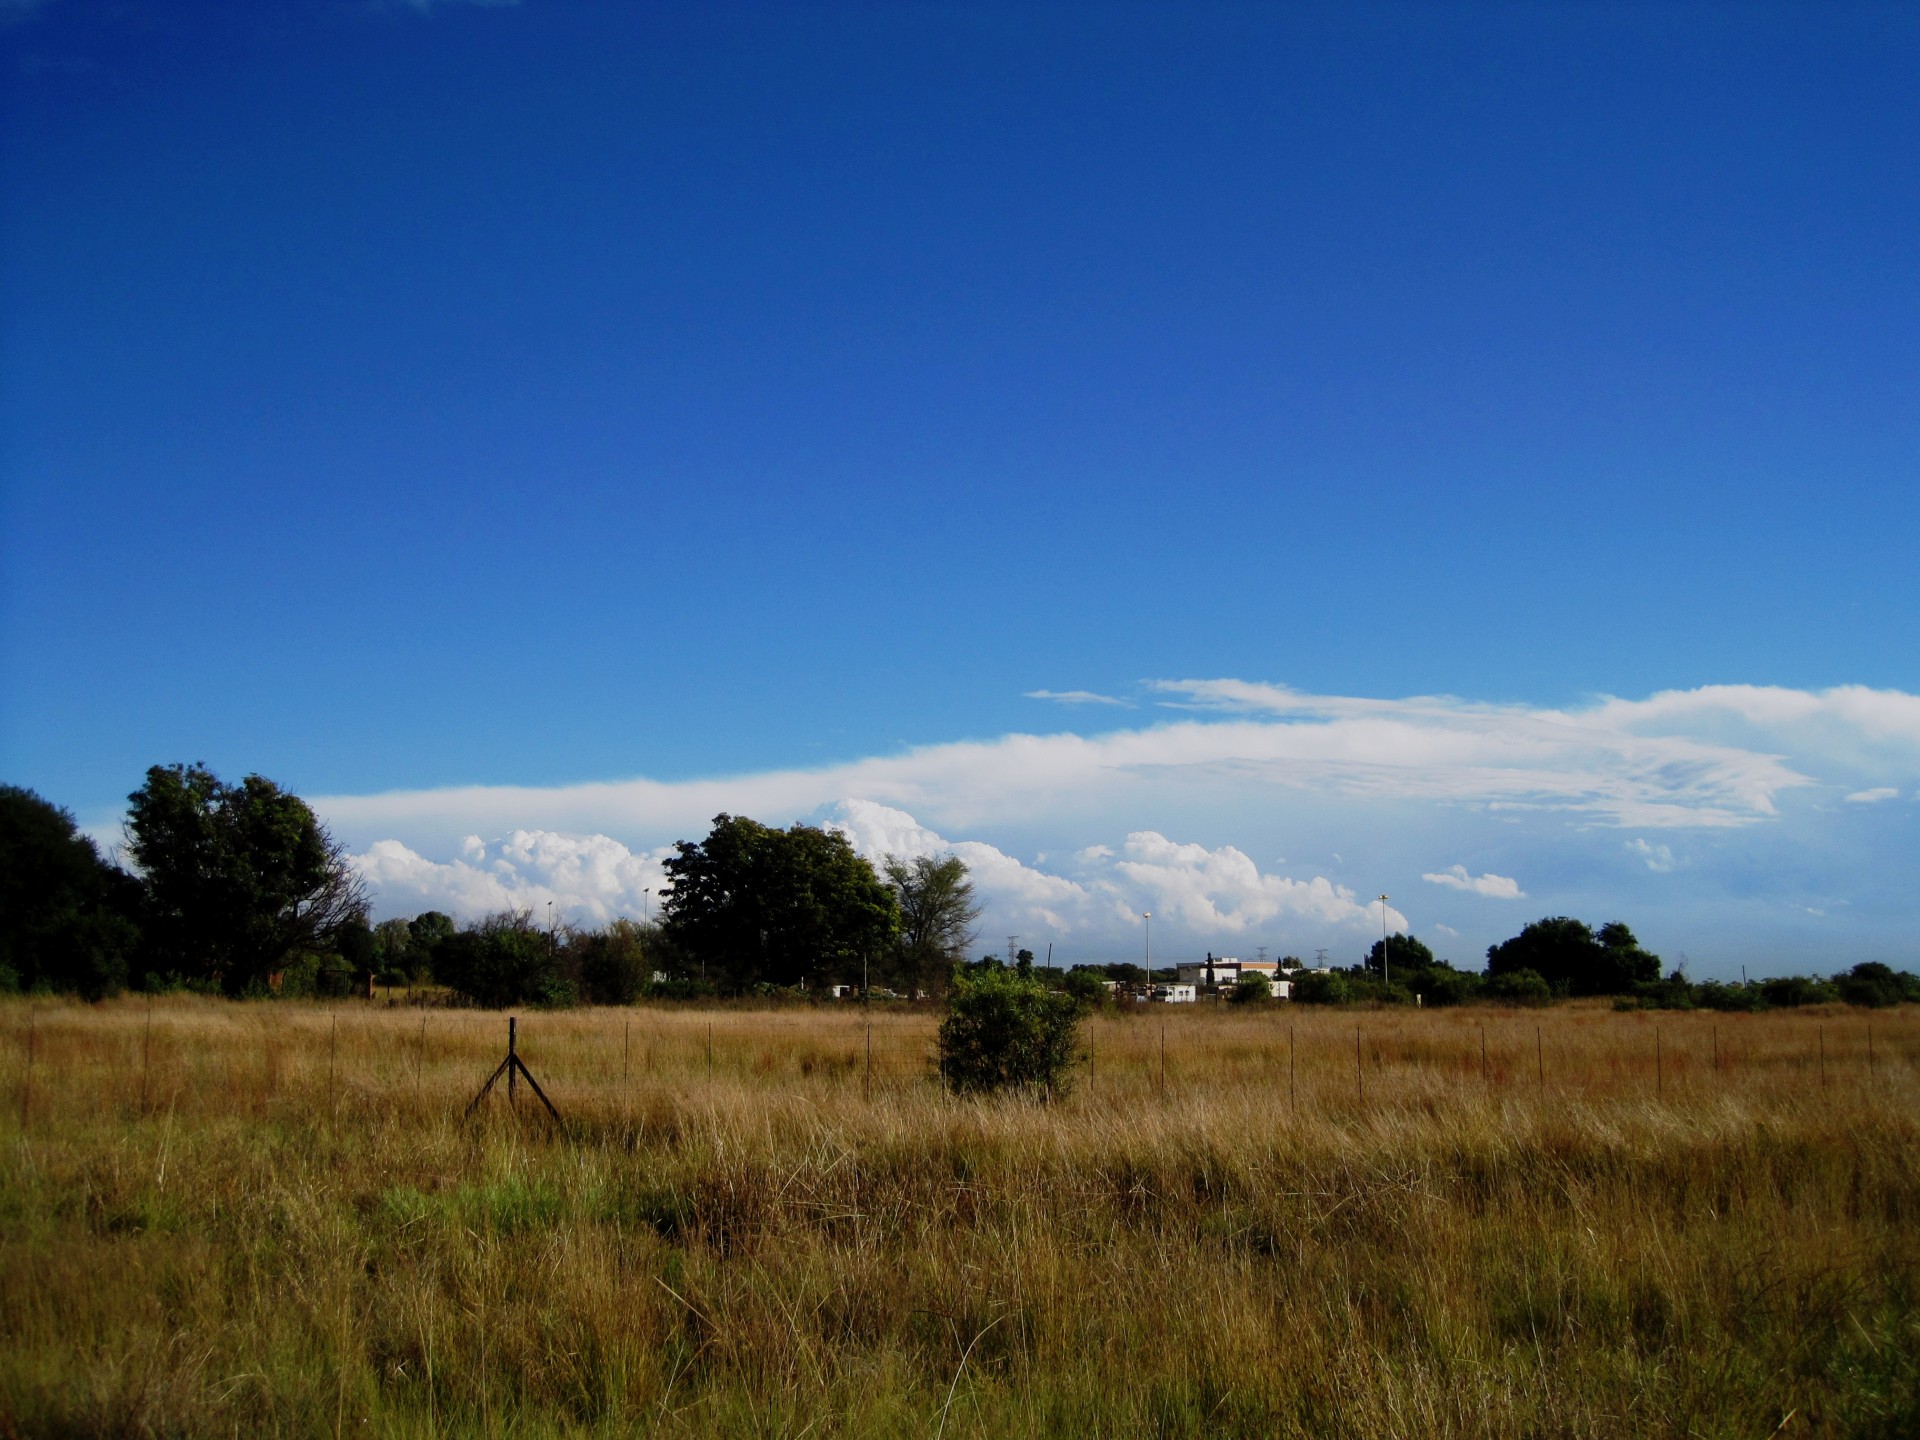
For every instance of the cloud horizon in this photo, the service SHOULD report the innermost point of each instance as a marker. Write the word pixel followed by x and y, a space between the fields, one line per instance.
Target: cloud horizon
pixel 1169 815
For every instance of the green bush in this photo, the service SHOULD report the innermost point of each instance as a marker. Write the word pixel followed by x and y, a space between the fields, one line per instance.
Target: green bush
pixel 1447 986
pixel 1790 990
pixel 612 964
pixel 1317 989
pixel 1713 995
pixel 1005 1031
pixel 1251 990
pixel 1519 987
pixel 1873 984
pixel 504 960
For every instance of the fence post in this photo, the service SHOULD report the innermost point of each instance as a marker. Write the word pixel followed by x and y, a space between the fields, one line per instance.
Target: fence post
pixel 26 1093
pixel 333 1048
pixel 146 1057
pixel 709 1052
pixel 1485 1079
pixel 1163 1059
pixel 1292 1096
pixel 1540 1057
pixel 1659 1074
pixel 626 1049
pixel 1823 1057
pixel 1359 1074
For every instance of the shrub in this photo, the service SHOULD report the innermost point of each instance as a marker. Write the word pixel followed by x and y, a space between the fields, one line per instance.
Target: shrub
pixel 1446 986
pixel 1873 984
pixel 1790 990
pixel 612 964
pixel 504 961
pixel 1519 987
pixel 1087 986
pixel 1004 1031
pixel 1316 989
pixel 1712 995
pixel 1251 990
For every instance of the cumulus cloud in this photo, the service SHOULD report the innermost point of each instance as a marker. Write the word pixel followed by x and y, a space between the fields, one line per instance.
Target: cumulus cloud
pixel 1657 858
pixel 1498 887
pixel 1223 890
pixel 588 878
pixel 1078 697
pixel 1873 796
pixel 1015 893
pixel 1203 891
pixel 1261 766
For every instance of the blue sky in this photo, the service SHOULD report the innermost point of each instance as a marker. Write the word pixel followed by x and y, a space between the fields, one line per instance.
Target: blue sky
pixel 569 420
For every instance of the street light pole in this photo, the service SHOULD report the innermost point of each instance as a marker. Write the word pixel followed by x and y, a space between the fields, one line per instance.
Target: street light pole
pixel 1148 917
pixel 1383 941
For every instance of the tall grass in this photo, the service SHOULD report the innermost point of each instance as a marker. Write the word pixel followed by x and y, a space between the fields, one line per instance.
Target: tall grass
pixel 220 1218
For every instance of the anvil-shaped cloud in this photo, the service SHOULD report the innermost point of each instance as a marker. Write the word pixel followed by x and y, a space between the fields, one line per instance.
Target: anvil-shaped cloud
pixel 1226 760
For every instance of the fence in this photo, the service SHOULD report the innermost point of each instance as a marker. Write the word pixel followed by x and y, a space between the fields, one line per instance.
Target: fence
pixel 272 1058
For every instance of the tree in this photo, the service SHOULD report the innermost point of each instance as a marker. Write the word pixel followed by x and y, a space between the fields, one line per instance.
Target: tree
pixel 1573 960
pixel 67 918
pixel 504 960
pixel 1876 985
pixel 935 899
pixel 755 904
pixel 1251 990
pixel 1406 957
pixel 238 878
pixel 1007 1031
pixel 612 965
pixel 1314 988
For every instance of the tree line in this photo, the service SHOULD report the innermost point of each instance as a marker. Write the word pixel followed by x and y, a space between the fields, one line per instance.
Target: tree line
pixel 238 889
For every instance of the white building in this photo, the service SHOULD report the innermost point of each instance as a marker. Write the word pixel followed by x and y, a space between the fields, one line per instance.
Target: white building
pixel 1174 994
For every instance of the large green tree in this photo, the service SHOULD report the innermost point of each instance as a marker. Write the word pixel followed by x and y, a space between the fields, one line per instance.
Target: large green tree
pixel 937 912
pixel 239 878
pixel 754 904
pixel 67 918
pixel 1572 959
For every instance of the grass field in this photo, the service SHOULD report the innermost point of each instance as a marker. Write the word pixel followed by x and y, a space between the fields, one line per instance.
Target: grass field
pixel 246 1219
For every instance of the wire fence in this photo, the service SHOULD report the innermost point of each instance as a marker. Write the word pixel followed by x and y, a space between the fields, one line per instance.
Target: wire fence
pixel 357 1057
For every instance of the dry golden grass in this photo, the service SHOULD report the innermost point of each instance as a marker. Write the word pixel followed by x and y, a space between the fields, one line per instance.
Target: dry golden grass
pixel 272 1219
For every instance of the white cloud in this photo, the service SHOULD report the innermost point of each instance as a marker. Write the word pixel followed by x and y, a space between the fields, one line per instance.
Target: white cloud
pixel 1249 769
pixel 1012 892
pixel 1657 858
pixel 1498 887
pixel 1078 697
pixel 1672 761
pixel 589 878
pixel 1446 930
pixel 1223 890
pixel 1873 796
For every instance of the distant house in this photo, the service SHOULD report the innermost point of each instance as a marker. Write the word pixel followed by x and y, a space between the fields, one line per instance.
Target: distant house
pixel 1223 972
pixel 1173 994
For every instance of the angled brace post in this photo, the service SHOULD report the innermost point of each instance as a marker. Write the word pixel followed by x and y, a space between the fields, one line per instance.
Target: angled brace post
pixel 511 1067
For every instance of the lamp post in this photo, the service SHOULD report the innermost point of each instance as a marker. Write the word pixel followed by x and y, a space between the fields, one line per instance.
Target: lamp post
pixel 1383 941
pixel 1148 917
pixel 646 899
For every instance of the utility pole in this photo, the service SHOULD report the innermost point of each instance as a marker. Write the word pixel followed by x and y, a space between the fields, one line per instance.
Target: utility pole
pixel 1012 955
pixel 1383 940
pixel 1148 917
